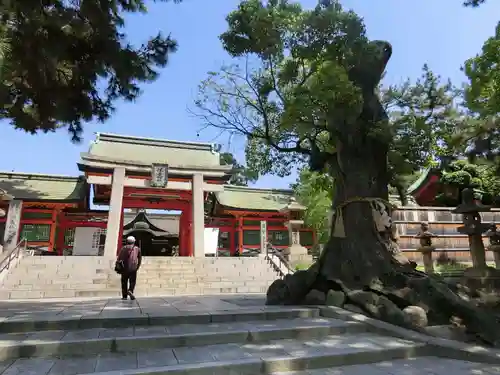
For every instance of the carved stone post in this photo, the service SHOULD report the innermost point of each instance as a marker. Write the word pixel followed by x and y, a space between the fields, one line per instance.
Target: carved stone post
pixel 473 227
pixel 426 247
pixel 297 253
pixel 4 197
pixel 494 237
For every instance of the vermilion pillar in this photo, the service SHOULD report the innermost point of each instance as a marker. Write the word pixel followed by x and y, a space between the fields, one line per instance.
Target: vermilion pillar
pixel 240 234
pixel 182 234
pixel 61 226
pixel 185 238
pixel 232 244
pixel 53 225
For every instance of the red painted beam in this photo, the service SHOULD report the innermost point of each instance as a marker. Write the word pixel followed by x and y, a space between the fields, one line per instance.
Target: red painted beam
pixel 164 205
pixel 36 221
pixel 88 224
pixel 37 210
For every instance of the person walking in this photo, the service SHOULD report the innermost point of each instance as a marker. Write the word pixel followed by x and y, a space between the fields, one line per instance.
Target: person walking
pixel 130 257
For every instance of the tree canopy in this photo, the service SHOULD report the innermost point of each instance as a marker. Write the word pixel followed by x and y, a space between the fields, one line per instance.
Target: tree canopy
pixel 482 99
pixel 460 175
pixel 473 3
pixel 64 63
pixel 313 190
pixel 242 175
pixel 289 79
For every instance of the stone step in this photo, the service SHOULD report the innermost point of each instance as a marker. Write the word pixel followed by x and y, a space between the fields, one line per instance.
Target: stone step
pixel 84 317
pixel 266 357
pixel 151 283
pixel 102 340
pixel 208 270
pixel 114 292
pixel 66 277
pixel 75 262
pixel 17 279
pixel 187 275
pixel 214 335
pixel 144 290
pixel 140 283
pixel 411 366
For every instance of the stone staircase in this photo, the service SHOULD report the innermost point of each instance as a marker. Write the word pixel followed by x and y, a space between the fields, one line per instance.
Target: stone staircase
pixel 249 341
pixel 73 276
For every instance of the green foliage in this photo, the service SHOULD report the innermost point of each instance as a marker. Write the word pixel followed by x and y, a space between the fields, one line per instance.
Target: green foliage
pixel 302 267
pixel 461 179
pixel 423 116
pixel 55 56
pixel 289 73
pixel 473 3
pixel 461 174
pixel 314 191
pixel 288 90
pixel 482 98
pixel 242 175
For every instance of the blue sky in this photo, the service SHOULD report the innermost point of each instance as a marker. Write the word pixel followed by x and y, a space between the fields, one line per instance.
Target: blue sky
pixel 438 32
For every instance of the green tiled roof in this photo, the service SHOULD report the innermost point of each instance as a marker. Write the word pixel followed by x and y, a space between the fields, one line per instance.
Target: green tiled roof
pixel 146 151
pixel 420 181
pixel 38 187
pixel 245 198
pixel 253 199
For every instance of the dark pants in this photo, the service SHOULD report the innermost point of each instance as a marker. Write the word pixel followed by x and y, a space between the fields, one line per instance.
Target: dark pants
pixel 128 282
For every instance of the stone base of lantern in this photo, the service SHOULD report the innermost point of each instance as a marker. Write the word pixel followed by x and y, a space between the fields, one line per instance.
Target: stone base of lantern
pixel 297 255
pixel 426 252
pixel 486 280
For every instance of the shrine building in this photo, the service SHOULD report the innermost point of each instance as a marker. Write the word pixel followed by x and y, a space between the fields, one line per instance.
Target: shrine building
pixel 133 176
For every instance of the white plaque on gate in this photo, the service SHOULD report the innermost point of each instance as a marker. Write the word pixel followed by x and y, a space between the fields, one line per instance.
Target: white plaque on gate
pixel 159 175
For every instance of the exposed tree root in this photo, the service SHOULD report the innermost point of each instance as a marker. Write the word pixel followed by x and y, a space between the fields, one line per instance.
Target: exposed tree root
pixel 386 300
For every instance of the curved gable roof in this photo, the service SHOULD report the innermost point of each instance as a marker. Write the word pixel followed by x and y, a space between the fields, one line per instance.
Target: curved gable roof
pixel 43 187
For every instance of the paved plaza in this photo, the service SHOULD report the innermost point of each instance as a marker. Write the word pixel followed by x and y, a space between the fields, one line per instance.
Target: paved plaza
pixel 204 335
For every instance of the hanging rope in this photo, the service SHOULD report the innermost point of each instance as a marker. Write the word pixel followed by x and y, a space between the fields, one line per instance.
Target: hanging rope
pixel 338 226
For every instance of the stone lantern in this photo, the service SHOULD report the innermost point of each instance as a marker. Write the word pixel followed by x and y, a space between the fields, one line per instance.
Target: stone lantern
pixel 494 236
pixel 297 253
pixel 473 227
pixel 426 248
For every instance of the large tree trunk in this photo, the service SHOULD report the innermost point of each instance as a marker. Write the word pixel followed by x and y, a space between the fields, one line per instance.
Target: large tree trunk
pixel 361 256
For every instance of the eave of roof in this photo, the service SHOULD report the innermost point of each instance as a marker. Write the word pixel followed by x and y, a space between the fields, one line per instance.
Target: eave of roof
pixel 89 161
pixel 253 199
pixel 139 152
pixel 426 174
pixel 43 187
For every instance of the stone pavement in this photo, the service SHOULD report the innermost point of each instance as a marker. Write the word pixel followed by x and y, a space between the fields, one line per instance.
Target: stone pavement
pixel 115 307
pixel 207 335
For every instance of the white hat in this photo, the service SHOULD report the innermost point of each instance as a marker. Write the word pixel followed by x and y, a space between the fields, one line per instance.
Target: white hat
pixel 130 239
